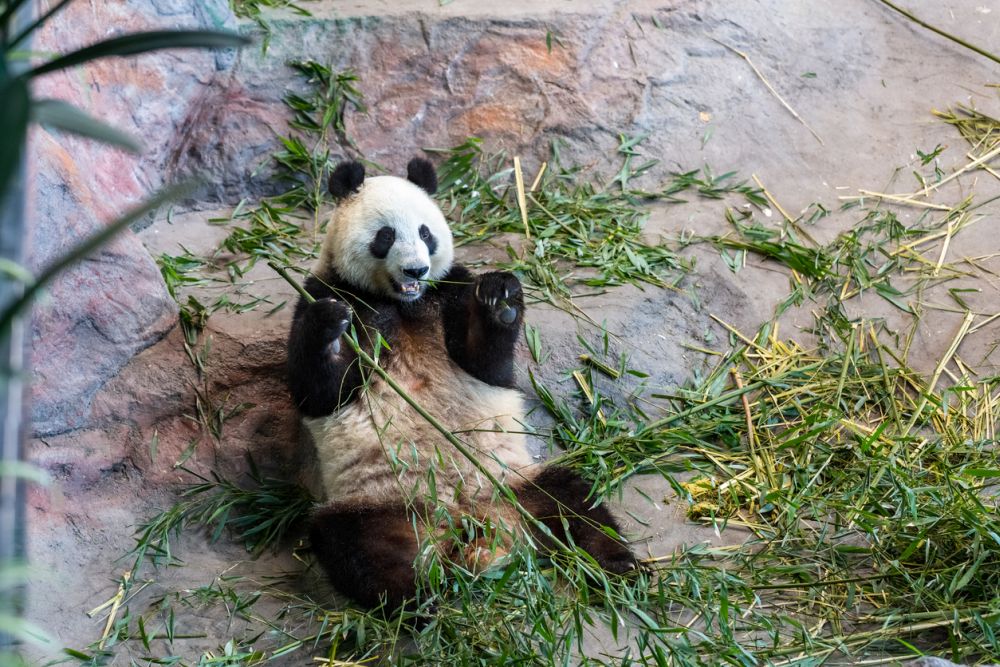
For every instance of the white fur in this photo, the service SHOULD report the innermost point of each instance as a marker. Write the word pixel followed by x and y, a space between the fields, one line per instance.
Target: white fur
pixel 377 447
pixel 386 201
pixel 397 446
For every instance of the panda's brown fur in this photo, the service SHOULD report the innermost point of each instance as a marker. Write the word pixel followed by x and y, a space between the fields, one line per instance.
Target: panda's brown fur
pixel 448 337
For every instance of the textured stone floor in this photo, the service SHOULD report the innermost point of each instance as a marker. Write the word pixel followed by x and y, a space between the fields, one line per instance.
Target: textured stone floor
pixel 433 75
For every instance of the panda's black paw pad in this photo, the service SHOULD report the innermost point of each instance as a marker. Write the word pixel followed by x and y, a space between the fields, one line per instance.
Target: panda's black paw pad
pixel 500 294
pixel 330 318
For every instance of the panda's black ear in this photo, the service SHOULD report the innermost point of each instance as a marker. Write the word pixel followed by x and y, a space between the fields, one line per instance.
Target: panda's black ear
pixel 421 172
pixel 346 178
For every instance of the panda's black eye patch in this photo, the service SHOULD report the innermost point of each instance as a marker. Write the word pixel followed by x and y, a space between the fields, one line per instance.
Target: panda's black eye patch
pixel 384 238
pixel 428 238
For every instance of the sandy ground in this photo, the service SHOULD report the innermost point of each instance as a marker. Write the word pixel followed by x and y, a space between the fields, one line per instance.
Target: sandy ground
pixel 877 79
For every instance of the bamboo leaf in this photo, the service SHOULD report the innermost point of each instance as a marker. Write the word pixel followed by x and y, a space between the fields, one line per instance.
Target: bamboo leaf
pixel 85 249
pixel 10 8
pixel 13 127
pixel 142 42
pixel 34 26
pixel 68 118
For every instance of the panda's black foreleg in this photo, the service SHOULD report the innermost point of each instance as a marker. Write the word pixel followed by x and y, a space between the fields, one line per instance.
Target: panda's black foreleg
pixel 367 551
pixel 482 321
pixel 323 373
pixel 558 498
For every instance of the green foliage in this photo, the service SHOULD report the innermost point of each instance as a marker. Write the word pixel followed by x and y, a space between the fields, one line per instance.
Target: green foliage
pixel 12 628
pixel 866 491
pixel 14 115
pixel 578 232
pixel 63 116
pixel 260 516
pixel 254 10
pixel 177 271
pixel 878 253
pixel 19 108
pixel 319 117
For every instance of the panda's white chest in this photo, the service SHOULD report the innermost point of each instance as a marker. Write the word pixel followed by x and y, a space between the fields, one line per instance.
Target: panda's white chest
pixel 379 446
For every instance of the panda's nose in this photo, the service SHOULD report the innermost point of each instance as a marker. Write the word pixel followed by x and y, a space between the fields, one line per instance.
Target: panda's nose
pixel 416 272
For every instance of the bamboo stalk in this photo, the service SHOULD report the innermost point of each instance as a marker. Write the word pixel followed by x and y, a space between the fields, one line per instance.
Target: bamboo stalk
pixel 522 203
pixel 428 417
pixel 957 40
pixel 538 177
pixel 774 92
pixel 901 199
pixel 755 453
pixel 116 603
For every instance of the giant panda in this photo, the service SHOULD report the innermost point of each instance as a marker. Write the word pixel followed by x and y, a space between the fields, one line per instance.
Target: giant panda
pixel 393 484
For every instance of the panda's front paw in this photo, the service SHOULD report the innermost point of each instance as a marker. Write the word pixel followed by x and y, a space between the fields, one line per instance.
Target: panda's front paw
pixel 499 293
pixel 329 318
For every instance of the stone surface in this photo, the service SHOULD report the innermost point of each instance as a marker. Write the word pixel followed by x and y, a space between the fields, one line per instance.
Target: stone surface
pixel 103 311
pixel 433 75
pixel 940 662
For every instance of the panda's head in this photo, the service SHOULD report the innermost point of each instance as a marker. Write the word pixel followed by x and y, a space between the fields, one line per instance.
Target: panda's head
pixel 387 236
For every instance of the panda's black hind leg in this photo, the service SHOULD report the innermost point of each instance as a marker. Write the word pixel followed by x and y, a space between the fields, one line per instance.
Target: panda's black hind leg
pixel 559 494
pixel 482 320
pixel 367 551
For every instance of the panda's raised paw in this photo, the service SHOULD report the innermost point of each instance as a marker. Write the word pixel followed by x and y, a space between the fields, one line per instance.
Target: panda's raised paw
pixel 499 292
pixel 329 318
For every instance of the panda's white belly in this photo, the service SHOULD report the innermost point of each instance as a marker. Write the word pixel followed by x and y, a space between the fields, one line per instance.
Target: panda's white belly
pixel 378 447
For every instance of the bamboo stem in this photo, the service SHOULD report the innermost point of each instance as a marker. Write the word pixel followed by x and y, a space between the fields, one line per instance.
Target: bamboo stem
pixel 957 40
pixel 462 448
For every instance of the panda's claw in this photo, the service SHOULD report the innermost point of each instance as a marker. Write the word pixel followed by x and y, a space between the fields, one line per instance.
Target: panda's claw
pixel 499 293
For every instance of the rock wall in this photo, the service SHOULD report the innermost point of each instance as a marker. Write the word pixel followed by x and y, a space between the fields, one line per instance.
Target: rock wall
pixel 102 312
pixel 519 74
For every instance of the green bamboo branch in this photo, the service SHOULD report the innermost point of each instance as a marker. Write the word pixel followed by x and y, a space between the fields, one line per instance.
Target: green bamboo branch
pixel 720 399
pixel 462 448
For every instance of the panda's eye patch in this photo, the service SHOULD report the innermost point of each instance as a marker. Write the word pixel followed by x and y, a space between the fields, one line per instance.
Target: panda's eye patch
pixel 428 238
pixel 384 238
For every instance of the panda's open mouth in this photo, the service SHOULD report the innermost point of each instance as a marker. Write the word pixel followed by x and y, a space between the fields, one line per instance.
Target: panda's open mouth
pixel 407 289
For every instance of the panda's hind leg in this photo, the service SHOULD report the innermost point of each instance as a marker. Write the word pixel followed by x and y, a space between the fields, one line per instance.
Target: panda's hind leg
pixel 367 551
pixel 559 495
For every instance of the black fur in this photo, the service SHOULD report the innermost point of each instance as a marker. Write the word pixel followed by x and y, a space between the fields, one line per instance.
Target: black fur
pixel 380 245
pixel 367 551
pixel 346 178
pixel 476 339
pixel 428 239
pixel 421 172
pixel 319 377
pixel 477 332
pixel 559 495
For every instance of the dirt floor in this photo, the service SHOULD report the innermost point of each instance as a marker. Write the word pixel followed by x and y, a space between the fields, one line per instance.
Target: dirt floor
pixel 877 77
